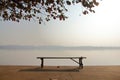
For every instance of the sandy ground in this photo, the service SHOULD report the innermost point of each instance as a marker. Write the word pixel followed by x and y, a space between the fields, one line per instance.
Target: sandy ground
pixel 59 73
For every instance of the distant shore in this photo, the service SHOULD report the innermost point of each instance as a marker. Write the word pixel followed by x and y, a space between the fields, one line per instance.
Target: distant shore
pixel 25 47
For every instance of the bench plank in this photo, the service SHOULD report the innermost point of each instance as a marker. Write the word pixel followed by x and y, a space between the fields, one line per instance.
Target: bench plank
pixel 60 57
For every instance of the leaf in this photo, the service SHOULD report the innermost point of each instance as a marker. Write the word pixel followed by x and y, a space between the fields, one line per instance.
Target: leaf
pixel 58 1
pixel 49 9
pixel 85 12
pixel 60 17
pixel 54 17
pixel 96 3
pixel 77 1
pixel 68 2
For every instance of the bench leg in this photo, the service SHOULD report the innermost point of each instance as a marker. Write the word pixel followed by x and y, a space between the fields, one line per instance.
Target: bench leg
pixel 42 62
pixel 80 63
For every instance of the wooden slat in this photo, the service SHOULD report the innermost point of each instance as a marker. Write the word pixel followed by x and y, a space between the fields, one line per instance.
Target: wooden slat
pixel 60 57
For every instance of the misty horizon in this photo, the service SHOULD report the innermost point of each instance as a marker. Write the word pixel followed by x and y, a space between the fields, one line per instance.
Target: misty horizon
pixel 30 47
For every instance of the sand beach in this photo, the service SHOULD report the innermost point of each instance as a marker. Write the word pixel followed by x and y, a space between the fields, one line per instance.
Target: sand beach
pixel 59 73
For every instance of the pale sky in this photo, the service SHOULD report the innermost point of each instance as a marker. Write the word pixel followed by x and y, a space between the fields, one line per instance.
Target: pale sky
pixel 99 29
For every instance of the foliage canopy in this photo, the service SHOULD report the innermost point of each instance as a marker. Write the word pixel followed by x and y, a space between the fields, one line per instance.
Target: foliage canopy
pixel 41 10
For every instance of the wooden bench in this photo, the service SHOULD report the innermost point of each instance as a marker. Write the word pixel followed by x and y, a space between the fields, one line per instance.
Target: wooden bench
pixel 79 62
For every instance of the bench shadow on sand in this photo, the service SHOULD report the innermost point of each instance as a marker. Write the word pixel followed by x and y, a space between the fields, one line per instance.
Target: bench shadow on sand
pixel 38 69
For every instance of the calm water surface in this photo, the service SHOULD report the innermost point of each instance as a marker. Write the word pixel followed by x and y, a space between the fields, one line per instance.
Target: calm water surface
pixel 28 57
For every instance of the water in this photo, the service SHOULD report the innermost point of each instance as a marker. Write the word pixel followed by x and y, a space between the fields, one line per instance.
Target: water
pixel 28 57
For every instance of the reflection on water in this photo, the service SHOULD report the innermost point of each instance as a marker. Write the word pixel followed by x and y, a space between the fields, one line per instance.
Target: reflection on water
pixel 28 57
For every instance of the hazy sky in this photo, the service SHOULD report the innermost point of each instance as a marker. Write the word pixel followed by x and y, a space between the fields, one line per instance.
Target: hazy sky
pixel 99 29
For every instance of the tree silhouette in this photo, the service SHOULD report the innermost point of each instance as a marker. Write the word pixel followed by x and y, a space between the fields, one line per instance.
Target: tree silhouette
pixel 41 10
